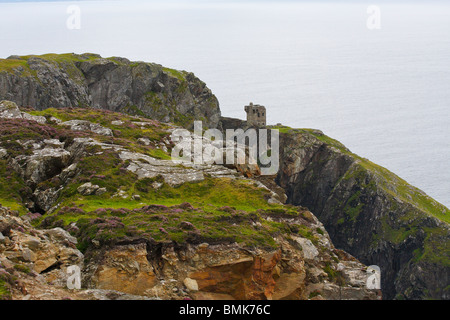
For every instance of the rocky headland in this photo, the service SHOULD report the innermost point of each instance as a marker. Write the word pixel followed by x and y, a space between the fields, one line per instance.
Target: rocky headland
pixel 86 179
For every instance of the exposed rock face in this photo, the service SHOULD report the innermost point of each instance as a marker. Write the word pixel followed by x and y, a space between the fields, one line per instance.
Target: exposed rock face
pixel 116 84
pixel 46 253
pixel 10 110
pixel 33 263
pixel 370 213
pixel 232 123
pixel 125 269
pixel 141 269
pixel 227 271
pixel 83 125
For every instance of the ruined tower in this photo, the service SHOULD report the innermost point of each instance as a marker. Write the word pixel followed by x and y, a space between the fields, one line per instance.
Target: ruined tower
pixel 256 115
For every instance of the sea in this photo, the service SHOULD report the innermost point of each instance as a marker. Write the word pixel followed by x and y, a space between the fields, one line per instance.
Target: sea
pixel 374 75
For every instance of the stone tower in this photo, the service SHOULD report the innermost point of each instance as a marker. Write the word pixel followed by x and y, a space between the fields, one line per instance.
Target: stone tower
pixel 256 115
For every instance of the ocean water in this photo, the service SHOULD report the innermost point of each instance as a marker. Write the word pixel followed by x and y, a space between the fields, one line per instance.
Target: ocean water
pixel 384 93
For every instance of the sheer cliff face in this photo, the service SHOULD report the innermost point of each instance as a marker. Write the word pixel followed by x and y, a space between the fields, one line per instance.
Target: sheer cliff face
pixel 115 84
pixel 371 213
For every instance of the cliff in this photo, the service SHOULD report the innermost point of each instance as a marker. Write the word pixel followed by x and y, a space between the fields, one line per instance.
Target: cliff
pixel 158 229
pixel 116 84
pixel 97 189
pixel 371 213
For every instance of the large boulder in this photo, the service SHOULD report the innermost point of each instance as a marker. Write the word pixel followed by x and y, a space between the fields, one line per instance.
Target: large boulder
pixel 10 110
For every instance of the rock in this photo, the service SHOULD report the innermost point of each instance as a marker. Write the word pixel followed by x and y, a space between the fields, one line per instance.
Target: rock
pixel 96 243
pixel 364 208
pixel 121 193
pixel 100 191
pixel 3 153
pixel 28 255
pixel 125 269
pixel 309 250
pixel 156 185
pixel 46 198
pixel 33 244
pixel 60 235
pixel 219 271
pixel 42 164
pixel 117 123
pixel 190 284
pixel 51 251
pixel 173 174
pixel 138 267
pixel 38 119
pixel 144 141
pixel 10 110
pixel 112 84
pixel 83 125
pixel 6 225
pixel 68 172
pixel 88 189
pixel 54 143
pixel 55 120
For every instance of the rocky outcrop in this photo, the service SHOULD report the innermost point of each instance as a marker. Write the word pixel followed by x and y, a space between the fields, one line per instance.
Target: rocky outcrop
pixel 50 159
pixel 297 269
pixel 101 195
pixel 56 164
pixel 45 254
pixel 34 263
pixel 232 123
pixel 116 84
pixel 9 110
pixel 370 213
pixel 83 125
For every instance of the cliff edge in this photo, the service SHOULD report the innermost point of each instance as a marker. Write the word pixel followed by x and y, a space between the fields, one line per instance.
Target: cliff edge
pixel 370 212
pixel 116 84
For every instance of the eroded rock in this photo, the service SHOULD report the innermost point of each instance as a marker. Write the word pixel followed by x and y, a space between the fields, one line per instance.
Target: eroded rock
pixel 10 110
pixel 83 125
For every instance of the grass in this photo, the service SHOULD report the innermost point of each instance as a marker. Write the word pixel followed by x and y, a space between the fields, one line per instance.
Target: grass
pixel 399 188
pixel 5 293
pixel 282 129
pixel 180 75
pixel 105 169
pixel 64 57
pixel 437 248
pixel 180 223
pixel 125 134
pixel 6 280
pixel 68 59
pixel 395 235
pixel 22 268
pixel 13 189
pixel 208 193
pixel 11 65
